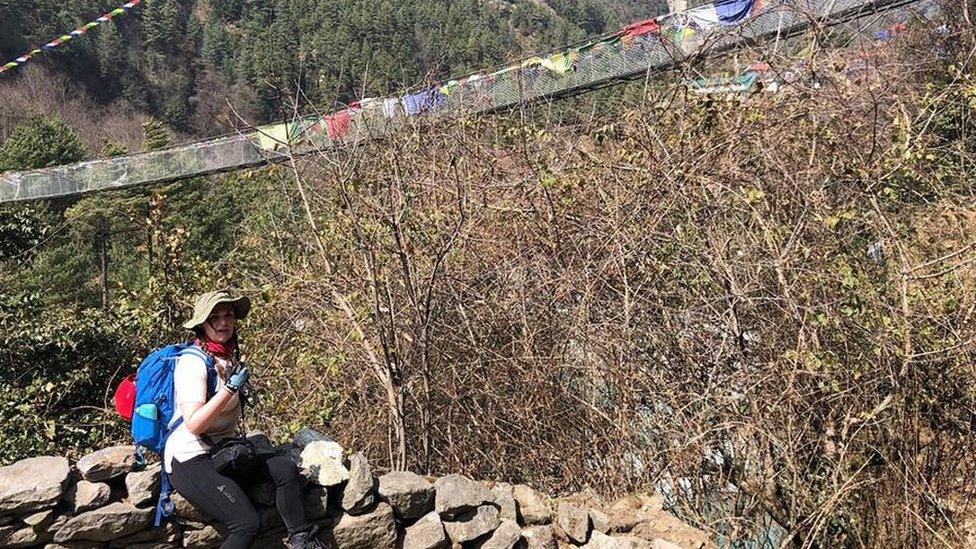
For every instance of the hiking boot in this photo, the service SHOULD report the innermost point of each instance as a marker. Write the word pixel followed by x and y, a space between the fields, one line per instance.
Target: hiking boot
pixel 306 540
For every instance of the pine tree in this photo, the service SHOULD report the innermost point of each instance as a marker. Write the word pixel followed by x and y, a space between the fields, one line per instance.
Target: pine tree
pixel 41 142
pixel 163 24
pixel 112 149
pixel 154 135
pixel 112 62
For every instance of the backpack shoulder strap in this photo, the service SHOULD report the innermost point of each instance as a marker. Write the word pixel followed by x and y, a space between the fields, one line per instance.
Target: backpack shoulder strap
pixel 209 362
pixel 194 350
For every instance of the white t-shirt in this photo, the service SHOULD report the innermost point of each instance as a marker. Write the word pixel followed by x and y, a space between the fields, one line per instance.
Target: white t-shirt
pixel 190 385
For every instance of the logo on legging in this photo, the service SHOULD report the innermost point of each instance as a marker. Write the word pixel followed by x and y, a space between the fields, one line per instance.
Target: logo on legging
pixel 221 490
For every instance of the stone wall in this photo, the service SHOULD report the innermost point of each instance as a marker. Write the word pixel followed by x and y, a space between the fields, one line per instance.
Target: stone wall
pixel 104 501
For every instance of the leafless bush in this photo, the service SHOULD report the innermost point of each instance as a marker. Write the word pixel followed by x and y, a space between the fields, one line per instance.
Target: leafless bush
pixel 760 306
pixel 37 89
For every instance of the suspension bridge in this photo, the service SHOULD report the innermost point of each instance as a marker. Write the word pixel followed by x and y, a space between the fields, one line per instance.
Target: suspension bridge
pixel 647 49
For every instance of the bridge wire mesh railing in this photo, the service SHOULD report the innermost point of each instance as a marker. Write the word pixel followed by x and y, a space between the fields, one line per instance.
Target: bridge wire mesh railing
pixel 595 65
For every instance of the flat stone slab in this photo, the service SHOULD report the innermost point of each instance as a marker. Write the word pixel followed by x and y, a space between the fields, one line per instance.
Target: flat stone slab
pixel 375 530
pixel 85 496
pixel 143 487
pixel 504 537
pixel 410 494
pixel 106 523
pixel 360 492
pixel 426 533
pixel 458 494
pixel 15 536
pixel 33 484
pixel 473 524
pixel 107 463
pixel 322 462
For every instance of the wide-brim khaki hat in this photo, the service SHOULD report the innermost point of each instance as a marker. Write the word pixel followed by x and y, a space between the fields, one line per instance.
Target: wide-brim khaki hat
pixel 205 304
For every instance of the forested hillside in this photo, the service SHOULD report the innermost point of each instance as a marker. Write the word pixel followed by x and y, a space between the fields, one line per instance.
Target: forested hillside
pixel 182 61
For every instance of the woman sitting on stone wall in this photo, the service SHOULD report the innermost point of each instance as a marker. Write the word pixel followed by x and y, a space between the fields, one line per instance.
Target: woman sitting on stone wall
pixel 208 421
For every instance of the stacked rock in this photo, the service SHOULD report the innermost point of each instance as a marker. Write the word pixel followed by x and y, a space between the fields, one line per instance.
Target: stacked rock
pixel 102 501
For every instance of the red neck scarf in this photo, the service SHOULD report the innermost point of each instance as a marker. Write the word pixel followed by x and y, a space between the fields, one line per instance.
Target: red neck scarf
pixel 222 350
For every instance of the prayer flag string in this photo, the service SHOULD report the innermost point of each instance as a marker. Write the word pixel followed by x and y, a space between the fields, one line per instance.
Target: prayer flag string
pixel 65 37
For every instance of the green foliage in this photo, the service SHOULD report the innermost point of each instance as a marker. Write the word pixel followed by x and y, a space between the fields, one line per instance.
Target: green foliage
pixel 154 135
pixel 112 149
pixel 65 345
pixel 21 229
pixel 54 373
pixel 163 23
pixel 41 142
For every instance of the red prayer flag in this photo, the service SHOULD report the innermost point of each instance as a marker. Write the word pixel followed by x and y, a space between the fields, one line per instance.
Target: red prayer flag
pixel 642 27
pixel 337 125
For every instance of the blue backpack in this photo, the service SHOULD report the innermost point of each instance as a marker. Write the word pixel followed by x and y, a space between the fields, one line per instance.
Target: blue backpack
pixel 154 408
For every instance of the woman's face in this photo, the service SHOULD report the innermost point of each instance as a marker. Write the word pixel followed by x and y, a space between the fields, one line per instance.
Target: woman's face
pixel 220 324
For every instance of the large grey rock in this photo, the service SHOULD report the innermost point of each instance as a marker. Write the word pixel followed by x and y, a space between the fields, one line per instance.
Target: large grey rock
pixel 166 534
pixel 107 463
pixel 505 500
pixel 143 487
pixel 32 484
pixel 410 494
pixel 375 530
pixel 105 523
pixel 40 520
pixel 186 510
pixel 23 536
pixel 504 537
pixel 599 540
pixel 600 521
pixel 360 492
pixel 427 533
pixel 533 506
pixel 457 494
pixel 574 521
pixel 202 538
pixel 473 524
pixel 85 496
pixel 537 537
pixel 322 462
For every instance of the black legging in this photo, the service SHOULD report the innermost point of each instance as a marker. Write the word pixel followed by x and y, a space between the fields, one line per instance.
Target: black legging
pixel 222 499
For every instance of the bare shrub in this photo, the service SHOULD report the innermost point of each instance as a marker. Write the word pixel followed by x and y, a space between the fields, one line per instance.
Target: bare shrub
pixel 40 90
pixel 760 306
